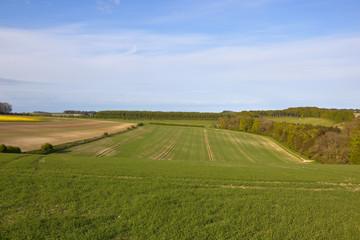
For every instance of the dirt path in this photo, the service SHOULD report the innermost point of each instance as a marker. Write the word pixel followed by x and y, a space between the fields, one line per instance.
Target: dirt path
pixel 31 135
pixel 292 157
pixel 110 151
pixel 236 143
pixel 210 153
pixel 168 148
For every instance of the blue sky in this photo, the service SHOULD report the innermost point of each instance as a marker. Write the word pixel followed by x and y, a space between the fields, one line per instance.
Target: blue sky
pixel 179 55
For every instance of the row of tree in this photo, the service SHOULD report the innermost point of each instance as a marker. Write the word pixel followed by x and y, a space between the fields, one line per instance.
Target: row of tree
pixel 331 114
pixel 84 113
pixel 9 149
pixel 148 115
pixel 5 108
pixel 324 144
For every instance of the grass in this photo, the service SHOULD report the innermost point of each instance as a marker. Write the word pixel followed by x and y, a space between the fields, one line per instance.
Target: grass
pixel 20 119
pixel 313 121
pixel 207 123
pixel 159 182
pixel 187 143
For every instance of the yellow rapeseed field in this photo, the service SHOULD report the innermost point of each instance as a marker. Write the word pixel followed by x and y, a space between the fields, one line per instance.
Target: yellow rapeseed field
pixel 19 119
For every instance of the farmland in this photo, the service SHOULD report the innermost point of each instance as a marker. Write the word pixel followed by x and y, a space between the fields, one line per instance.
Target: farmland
pixel 187 143
pixel 31 135
pixel 172 182
pixel 19 119
pixel 309 120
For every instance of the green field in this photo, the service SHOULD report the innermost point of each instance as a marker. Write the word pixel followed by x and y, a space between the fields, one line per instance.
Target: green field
pixel 164 182
pixel 189 144
pixel 313 121
pixel 206 123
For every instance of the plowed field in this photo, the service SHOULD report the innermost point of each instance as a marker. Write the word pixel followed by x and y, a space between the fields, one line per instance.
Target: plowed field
pixel 31 135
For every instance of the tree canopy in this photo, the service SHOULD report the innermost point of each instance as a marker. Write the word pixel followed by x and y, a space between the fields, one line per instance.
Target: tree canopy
pixel 5 108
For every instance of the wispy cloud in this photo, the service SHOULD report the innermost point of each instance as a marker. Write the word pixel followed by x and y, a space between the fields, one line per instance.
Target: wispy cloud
pixel 189 10
pixel 117 2
pixel 107 5
pixel 139 67
pixel 6 81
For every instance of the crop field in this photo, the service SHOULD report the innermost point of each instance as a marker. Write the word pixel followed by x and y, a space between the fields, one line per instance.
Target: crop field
pixel 172 182
pixel 313 121
pixel 19 119
pixel 31 135
pixel 188 143
pixel 205 123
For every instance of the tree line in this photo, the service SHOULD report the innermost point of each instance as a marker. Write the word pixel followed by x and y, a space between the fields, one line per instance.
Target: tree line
pixel 85 113
pixel 149 115
pixel 336 115
pixel 339 145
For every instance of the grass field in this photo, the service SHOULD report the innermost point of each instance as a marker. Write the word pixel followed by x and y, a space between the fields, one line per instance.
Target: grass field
pixel 165 182
pixel 313 121
pixel 206 123
pixel 187 143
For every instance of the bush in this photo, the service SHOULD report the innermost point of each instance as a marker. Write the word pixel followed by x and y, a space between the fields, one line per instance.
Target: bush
pixel 3 148
pixel 354 155
pixel 12 149
pixel 140 124
pixel 106 134
pixel 47 148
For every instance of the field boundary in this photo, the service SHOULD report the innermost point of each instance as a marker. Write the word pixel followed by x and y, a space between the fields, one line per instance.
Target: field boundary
pixel 300 157
pixel 177 124
pixel 295 154
pixel 64 146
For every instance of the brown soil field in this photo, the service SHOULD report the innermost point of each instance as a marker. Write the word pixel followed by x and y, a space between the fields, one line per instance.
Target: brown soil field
pixel 31 135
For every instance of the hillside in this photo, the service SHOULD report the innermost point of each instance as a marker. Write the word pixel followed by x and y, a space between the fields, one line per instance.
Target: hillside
pixel 170 182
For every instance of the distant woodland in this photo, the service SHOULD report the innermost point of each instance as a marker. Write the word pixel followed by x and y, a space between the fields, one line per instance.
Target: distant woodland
pixel 339 144
pixel 148 115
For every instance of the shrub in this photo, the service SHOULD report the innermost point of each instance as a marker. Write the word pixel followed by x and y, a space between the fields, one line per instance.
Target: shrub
pixel 12 149
pixel 3 148
pixel 47 148
pixel 354 145
pixel 106 134
pixel 140 124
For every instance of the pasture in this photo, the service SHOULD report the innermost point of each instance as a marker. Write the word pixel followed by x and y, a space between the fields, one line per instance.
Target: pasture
pixel 310 120
pixel 31 135
pixel 171 182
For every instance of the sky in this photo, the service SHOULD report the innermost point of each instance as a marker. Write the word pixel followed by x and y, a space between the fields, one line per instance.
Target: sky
pixel 179 55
